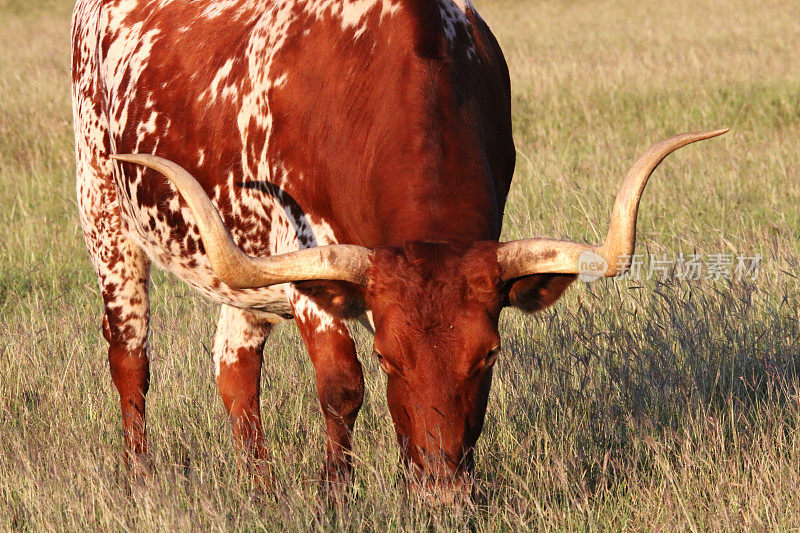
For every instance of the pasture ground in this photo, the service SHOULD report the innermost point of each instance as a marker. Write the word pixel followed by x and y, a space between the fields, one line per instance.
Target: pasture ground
pixel 629 405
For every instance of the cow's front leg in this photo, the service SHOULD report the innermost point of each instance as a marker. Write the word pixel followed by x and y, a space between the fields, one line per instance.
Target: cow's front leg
pixel 340 382
pixel 238 355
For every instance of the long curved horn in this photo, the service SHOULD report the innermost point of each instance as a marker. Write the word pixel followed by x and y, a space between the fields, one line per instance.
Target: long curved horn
pixel 238 270
pixel 539 256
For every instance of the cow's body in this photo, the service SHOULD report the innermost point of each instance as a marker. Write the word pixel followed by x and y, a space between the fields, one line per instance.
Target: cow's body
pixel 371 122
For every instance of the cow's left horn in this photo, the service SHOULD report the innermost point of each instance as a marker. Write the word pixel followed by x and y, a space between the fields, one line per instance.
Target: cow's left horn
pixel 235 268
pixel 546 256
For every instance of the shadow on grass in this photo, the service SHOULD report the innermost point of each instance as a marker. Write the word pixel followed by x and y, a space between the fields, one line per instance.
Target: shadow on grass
pixel 601 396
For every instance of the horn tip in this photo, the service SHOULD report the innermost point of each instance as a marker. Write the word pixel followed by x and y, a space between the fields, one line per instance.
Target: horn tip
pixel 717 133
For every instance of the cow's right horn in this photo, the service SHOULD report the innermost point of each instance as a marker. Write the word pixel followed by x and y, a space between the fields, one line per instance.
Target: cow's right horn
pixel 235 268
pixel 546 256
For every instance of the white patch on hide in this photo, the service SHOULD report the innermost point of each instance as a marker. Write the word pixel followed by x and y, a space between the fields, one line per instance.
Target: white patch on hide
pixel 236 329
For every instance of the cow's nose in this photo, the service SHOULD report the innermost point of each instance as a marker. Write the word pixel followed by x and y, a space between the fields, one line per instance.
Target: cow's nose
pixel 438 464
pixel 445 492
pixel 440 480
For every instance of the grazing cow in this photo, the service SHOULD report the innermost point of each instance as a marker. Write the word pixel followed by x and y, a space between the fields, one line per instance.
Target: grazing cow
pixel 342 159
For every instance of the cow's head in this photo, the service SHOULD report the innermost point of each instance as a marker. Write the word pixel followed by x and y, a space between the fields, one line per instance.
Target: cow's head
pixel 435 306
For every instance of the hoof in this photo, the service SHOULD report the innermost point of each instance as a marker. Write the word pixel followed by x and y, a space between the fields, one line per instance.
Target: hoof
pixel 336 485
pixel 139 466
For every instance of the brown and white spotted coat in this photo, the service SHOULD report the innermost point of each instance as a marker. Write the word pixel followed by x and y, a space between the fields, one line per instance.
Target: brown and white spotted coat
pixel 382 123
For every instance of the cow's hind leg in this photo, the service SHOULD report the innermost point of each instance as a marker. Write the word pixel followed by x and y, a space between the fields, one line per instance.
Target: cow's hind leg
pixel 238 356
pixel 122 268
pixel 123 272
pixel 340 383
pixel 125 327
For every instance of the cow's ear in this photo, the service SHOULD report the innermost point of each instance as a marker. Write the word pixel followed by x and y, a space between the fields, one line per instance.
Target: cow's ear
pixel 339 298
pixel 534 293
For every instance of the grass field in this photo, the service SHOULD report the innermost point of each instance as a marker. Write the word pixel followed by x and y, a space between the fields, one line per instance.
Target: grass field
pixel 629 405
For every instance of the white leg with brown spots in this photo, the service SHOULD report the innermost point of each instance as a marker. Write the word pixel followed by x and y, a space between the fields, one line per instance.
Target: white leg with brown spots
pixel 123 273
pixel 238 356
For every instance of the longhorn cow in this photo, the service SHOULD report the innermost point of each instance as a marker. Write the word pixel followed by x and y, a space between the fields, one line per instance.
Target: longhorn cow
pixel 328 160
